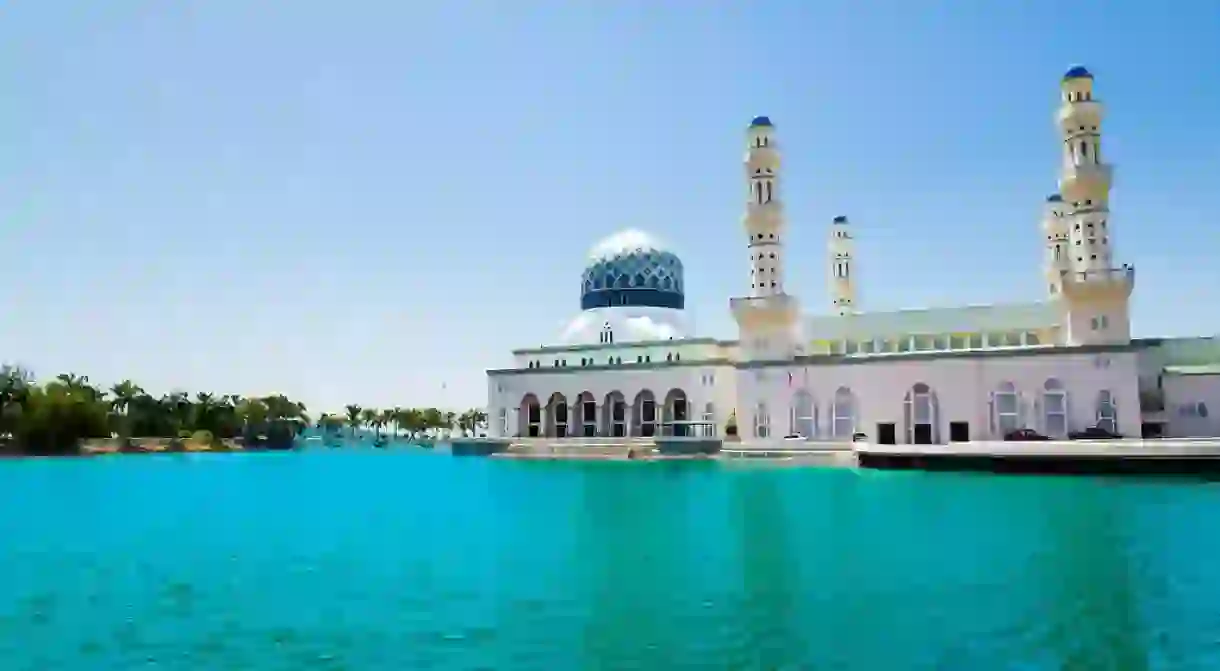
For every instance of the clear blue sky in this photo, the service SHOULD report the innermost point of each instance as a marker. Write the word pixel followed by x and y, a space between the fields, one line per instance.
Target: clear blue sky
pixel 364 201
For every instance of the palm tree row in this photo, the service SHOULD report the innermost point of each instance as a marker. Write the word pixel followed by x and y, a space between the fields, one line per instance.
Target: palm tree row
pixel 55 416
pixel 413 422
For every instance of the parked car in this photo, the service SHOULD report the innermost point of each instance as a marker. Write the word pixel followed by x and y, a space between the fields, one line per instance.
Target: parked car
pixel 794 436
pixel 1023 435
pixel 1094 433
pixel 859 437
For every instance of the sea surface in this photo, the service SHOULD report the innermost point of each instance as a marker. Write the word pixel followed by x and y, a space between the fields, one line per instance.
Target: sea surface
pixel 368 559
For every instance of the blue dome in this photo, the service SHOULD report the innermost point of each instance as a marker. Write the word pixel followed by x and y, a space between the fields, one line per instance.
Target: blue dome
pixel 1078 72
pixel 1054 198
pixel 760 121
pixel 632 268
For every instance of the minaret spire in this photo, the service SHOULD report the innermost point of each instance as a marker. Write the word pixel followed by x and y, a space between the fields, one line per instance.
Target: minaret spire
pixel 1093 292
pixel 842 270
pixel 764 217
pixel 768 317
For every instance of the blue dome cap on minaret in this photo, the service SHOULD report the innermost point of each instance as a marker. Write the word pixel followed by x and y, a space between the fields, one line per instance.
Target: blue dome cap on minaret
pixel 632 268
pixel 1078 72
pixel 760 121
pixel 1054 198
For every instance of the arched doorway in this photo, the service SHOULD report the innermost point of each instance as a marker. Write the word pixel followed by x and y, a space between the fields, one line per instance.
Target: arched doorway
pixel 644 414
pixel 557 416
pixel 614 415
pixel 586 414
pixel 922 413
pixel 677 412
pixel 802 416
pixel 529 417
pixel 1006 409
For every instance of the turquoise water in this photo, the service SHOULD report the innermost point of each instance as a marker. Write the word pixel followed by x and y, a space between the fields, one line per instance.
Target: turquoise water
pixel 411 560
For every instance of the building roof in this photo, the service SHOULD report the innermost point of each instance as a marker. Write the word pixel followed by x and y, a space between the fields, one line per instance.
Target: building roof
pixel 932 321
pixel 1210 369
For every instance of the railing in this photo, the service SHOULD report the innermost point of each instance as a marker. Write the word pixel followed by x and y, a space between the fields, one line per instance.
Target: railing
pixel 1126 272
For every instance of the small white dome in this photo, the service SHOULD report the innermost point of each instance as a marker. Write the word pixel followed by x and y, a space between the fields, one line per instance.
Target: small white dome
pixel 625 242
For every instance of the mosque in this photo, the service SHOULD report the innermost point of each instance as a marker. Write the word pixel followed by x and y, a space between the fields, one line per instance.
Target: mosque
pixel 630 364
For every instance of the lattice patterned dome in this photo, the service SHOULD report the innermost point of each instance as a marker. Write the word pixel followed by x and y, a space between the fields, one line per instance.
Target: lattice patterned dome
pixel 632 268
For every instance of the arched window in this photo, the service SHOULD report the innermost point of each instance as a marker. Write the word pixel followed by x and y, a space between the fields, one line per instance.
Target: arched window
pixel 1054 408
pixel 843 413
pixel 762 422
pixel 802 415
pixel 1006 409
pixel 922 414
pixel 1107 411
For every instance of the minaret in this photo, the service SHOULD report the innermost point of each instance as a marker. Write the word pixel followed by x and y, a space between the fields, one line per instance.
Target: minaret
pixel 767 318
pixel 1094 291
pixel 842 272
pixel 1058 258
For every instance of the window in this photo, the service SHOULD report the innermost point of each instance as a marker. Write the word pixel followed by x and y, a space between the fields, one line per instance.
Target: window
pixel 802 415
pixel 762 422
pixel 1055 408
pixel 709 416
pixel 1107 413
pixel 843 414
pixel 503 422
pixel 922 415
pixel 1005 407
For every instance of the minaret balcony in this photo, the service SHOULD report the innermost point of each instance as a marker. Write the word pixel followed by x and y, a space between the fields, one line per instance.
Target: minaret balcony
pixel 771 212
pixel 1081 180
pixel 1098 282
pixel 1084 112
pixel 764 311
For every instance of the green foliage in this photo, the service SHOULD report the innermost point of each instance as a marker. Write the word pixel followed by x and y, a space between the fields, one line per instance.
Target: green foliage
pixel 54 417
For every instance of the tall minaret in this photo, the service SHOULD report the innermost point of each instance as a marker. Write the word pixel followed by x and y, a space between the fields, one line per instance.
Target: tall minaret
pixel 767 318
pixel 842 272
pixel 1095 292
pixel 1058 257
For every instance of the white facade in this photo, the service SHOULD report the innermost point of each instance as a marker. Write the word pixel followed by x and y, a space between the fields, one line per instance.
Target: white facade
pixel 631 363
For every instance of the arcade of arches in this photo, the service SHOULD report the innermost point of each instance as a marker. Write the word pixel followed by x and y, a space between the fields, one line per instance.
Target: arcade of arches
pixel 613 415
pixel 1044 409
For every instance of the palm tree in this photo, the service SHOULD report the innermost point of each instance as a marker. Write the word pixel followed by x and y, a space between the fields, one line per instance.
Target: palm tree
pixel 369 417
pixel 354 412
pixel 394 417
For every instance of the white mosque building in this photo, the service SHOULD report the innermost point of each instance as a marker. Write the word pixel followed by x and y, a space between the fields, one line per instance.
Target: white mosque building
pixel 630 365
